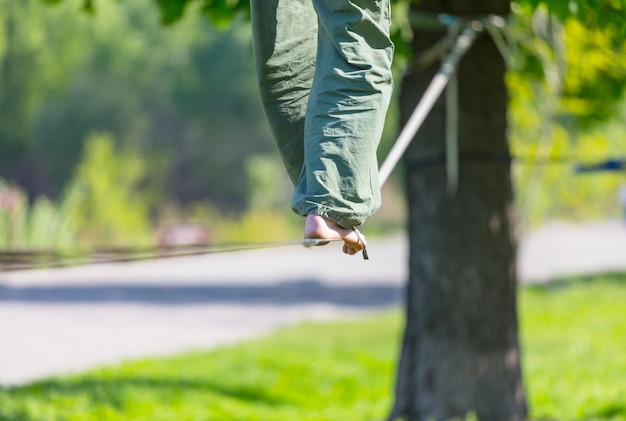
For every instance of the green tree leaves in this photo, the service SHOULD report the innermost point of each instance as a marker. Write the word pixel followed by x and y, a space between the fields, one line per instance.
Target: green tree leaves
pixel 172 10
pixel 608 14
pixel 220 12
pixel 596 72
pixel 185 95
pixel 579 49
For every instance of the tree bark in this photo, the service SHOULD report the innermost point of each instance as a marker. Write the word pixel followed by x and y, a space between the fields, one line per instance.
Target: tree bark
pixel 460 351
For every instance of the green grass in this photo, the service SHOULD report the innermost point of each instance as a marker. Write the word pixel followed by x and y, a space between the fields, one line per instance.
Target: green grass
pixel 313 372
pixel 574 336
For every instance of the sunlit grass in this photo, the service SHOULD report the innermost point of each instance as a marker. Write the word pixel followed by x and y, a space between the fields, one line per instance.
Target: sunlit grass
pixel 314 372
pixel 573 333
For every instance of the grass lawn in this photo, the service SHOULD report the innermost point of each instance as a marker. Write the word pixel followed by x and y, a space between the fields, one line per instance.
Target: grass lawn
pixel 573 332
pixel 574 345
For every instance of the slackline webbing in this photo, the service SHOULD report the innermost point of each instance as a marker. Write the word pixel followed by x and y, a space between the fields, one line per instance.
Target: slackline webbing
pixel 37 259
pixel 461 35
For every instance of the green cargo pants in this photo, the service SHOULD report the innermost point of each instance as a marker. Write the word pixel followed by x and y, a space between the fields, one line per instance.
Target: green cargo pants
pixel 324 72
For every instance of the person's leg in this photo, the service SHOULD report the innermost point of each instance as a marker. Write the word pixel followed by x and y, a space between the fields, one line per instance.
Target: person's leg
pixel 345 114
pixel 285 42
pixel 285 46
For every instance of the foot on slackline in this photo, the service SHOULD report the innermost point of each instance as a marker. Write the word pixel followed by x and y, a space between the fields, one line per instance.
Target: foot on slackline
pixel 318 227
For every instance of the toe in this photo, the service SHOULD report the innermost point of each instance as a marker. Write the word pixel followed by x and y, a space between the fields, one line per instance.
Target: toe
pixel 349 250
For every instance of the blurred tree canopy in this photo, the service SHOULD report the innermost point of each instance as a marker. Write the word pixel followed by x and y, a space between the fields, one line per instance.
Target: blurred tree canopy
pixel 579 50
pixel 567 83
pixel 183 95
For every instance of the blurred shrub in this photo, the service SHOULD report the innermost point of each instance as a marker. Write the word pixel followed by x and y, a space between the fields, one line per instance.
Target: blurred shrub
pixel 563 118
pixel 115 210
pixel 42 225
pixel 251 226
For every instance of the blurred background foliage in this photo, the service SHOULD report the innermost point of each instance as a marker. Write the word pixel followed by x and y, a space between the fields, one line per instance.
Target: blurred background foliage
pixel 116 129
pixel 567 110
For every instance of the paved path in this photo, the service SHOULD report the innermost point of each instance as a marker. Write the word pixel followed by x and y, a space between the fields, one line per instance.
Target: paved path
pixel 67 320
pixel 562 249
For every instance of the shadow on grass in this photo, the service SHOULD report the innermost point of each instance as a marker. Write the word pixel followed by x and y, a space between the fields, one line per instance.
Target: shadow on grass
pixel 302 292
pixel 116 391
pixel 618 278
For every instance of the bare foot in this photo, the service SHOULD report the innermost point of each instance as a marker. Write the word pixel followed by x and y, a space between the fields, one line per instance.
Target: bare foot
pixel 321 228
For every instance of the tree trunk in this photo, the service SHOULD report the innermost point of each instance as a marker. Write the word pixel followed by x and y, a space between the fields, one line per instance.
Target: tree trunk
pixel 461 352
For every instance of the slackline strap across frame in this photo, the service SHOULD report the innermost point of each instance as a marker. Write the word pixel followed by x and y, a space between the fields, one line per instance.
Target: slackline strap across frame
pixel 39 259
pixel 461 35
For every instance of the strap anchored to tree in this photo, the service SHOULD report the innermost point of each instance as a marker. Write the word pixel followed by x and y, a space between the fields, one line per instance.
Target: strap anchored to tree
pixel 462 32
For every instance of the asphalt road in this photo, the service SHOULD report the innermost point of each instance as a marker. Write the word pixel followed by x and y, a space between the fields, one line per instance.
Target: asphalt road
pixel 59 321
